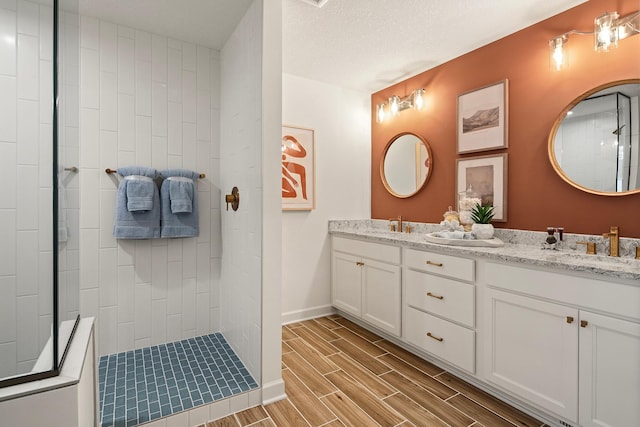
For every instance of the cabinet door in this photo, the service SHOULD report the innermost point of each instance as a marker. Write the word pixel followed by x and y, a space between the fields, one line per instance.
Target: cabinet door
pixel 381 295
pixel 609 371
pixel 346 283
pixel 533 350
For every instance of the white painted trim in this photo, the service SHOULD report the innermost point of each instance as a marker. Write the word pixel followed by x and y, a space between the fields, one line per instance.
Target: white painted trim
pixel 307 313
pixel 273 391
pixel 71 369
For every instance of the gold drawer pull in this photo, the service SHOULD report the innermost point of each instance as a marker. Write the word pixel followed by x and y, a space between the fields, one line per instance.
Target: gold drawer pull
pixel 583 323
pixel 569 319
pixel 437 264
pixel 434 337
pixel 359 264
pixel 429 294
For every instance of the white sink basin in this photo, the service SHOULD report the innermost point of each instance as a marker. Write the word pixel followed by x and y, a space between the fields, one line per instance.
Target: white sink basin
pixel 492 243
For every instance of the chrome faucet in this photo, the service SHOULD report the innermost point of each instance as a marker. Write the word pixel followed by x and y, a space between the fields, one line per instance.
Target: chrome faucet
pixel 614 240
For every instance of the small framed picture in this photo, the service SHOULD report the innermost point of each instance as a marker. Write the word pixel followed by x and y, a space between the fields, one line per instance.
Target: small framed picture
pixel 487 177
pixel 298 169
pixel 482 118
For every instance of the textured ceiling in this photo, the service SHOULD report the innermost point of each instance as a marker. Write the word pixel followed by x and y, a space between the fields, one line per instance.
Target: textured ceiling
pixel 359 44
pixel 370 44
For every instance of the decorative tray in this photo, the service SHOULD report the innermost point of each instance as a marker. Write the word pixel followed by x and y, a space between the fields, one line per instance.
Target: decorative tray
pixel 492 243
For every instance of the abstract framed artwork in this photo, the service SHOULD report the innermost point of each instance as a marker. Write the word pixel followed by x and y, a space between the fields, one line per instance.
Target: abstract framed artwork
pixel 298 169
pixel 487 177
pixel 483 118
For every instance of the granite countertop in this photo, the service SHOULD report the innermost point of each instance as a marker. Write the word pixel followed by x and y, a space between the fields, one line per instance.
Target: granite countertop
pixel 520 246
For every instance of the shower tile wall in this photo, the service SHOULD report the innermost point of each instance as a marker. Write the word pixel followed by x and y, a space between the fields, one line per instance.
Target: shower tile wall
pixel 152 101
pixel 26 61
pixel 242 140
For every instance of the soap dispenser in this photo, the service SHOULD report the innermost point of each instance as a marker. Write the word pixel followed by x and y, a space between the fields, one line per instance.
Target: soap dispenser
pixel 551 241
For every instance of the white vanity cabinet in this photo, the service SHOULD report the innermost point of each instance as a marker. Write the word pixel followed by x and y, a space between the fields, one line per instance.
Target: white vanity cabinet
pixel 565 345
pixel 546 344
pixel 609 373
pixel 533 350
pixel 439 306
pixel 366 282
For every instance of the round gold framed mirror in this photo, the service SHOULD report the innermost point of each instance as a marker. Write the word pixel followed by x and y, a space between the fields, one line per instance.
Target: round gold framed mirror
pixel 595 143
pixel 406 164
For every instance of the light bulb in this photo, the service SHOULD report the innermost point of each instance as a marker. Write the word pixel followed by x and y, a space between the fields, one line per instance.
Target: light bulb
pixel 380 113
pixel 606 31
pixel 556 48
pixel 394 106
pixel 418 101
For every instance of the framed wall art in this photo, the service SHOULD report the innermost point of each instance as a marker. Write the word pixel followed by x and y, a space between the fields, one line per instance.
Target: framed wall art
pixel 298 169
pixel 483 118
pixel 487 177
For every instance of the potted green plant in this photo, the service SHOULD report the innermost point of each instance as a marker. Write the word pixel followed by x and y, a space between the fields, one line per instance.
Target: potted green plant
pixel 482 216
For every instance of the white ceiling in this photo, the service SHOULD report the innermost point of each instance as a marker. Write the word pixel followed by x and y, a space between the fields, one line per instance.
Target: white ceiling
pixel 359 44
pixel 203 22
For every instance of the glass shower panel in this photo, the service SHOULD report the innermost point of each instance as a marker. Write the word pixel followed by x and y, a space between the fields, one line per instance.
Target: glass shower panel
pixel 36 236
pixel 68 179
pixel 26 120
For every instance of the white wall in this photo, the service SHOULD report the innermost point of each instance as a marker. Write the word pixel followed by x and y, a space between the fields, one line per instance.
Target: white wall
pixel 241 149
pixel 26 295
pixel 151 101
pixel 341 120
pixel 272 383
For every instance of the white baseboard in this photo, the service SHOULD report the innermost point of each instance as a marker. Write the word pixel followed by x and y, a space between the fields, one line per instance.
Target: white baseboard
pixel 273 391
pixel 307 313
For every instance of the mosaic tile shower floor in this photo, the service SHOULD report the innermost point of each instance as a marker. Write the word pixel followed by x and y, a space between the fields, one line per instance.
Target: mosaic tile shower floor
pixel 154 382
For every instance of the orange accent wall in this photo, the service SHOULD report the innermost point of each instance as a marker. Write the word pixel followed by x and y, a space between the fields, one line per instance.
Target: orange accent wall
pixel 536 196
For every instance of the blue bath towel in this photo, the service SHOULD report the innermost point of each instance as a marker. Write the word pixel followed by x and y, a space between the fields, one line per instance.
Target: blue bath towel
pixel 136 224
pixel 181 194
pixel 179 203
pixel 140 191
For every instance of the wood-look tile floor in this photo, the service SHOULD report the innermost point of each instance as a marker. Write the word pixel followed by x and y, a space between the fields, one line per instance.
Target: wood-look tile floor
pixel 339 374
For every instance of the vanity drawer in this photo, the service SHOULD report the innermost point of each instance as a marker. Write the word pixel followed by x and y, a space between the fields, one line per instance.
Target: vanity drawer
pixel 377 251
pixel 444 297
pixel 452 343
pixel 444 265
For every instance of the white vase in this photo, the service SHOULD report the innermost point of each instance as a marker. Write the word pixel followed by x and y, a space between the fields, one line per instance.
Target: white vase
pixel 483 231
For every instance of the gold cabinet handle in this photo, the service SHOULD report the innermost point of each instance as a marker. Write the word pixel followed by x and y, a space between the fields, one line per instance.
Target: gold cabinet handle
pixel 583 323
pixel 429 294
pixel 359 264
pixel 569 319
pixel 430 335
pixel 437 264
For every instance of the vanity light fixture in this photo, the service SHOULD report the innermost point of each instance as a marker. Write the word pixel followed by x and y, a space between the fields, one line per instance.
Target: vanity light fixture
pixel 605 31
pixel 608 29
pixel 395 104
pixel 556 51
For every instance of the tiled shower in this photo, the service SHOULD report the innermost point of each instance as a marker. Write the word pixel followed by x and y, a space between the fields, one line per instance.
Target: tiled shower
pixel 152 100
pixel 147 100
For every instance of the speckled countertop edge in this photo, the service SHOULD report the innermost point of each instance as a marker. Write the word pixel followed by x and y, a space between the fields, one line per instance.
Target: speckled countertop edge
pixel 521 246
